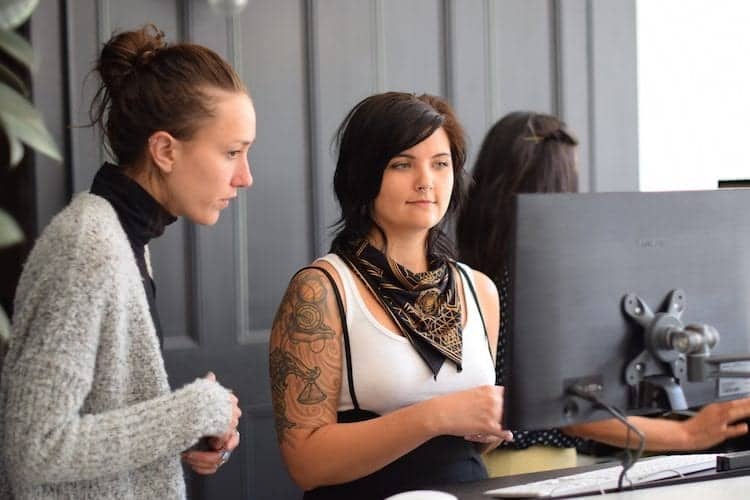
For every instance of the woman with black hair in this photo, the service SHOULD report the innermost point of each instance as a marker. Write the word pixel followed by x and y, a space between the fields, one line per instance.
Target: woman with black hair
pixel 382 352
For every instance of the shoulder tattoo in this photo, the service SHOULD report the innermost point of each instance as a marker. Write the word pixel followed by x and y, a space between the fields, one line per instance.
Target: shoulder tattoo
pixel 303 344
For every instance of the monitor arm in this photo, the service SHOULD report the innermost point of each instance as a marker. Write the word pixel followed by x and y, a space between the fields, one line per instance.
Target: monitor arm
pixel 686 349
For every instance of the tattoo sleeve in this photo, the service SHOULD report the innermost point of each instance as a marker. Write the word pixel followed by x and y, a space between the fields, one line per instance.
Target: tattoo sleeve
pixel 305 355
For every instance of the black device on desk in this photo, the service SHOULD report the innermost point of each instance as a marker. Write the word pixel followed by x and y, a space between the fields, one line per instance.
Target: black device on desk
pixel 734 183
pixel 602 282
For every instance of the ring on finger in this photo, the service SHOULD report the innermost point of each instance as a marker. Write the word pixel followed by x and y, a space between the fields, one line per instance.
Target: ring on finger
pixel 224 457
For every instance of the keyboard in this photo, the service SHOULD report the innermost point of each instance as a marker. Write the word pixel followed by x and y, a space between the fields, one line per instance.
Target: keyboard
pixel 601 480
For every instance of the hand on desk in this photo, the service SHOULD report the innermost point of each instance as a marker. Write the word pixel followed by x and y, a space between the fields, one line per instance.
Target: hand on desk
pixel 713 424
pixel 717 422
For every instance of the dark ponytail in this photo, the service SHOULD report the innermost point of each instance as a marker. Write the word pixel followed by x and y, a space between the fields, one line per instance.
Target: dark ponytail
pixel 524 152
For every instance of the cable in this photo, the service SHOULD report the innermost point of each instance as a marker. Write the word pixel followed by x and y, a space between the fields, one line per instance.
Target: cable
pixel 629 460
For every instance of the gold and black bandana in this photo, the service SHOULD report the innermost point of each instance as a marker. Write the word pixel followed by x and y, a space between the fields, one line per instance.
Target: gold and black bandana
pixel 425 306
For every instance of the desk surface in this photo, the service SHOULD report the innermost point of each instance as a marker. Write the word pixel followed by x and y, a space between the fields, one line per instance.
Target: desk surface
pixel 735 487
pixel 730 488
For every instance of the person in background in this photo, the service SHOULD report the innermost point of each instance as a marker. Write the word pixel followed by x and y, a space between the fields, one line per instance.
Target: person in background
pixel 528 152
pixel 85 406
pixel 382 352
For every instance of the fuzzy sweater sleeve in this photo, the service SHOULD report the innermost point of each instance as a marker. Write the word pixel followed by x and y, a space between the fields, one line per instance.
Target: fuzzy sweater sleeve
pixel 49 437
pixel 50 443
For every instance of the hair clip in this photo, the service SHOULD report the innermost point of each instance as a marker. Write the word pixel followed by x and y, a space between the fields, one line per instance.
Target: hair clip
pixel 534 138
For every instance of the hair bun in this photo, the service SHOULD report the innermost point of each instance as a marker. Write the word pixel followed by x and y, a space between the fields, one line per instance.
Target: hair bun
pixel 126 52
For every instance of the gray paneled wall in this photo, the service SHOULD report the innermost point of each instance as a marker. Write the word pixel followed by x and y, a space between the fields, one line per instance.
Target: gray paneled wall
pixel 523 69
pixel 306 64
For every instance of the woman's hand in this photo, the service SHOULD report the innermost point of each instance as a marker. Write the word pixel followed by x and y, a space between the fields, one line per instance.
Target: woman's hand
pixel 220 447
pixel 474 414
pixel 713 424
pixel 485 442
pixel 717 422
pixel 209 461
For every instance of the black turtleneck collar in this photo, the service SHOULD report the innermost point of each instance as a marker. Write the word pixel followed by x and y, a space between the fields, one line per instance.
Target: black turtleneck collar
pixel 142 217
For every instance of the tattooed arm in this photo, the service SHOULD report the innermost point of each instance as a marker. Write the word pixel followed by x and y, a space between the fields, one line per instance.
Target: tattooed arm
pixel 306 365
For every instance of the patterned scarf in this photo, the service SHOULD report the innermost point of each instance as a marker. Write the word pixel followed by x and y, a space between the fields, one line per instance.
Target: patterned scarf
pixel 425 306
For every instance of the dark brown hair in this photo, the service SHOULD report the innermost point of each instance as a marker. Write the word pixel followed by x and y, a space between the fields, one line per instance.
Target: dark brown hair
pixel 148 85
pixel 378 128
pixel 522 153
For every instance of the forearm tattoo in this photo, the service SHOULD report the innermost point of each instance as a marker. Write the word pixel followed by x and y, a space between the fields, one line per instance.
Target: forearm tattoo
pixel 305 359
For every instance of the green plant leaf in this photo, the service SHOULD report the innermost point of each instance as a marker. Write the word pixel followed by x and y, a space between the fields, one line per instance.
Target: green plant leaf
pixel 13 103
pixel 14 145
pixel 4 330
pixel 9 77
pixel 13 13
pixel 21 121
pixel 32 134
pixel 10 233
pixel 17 47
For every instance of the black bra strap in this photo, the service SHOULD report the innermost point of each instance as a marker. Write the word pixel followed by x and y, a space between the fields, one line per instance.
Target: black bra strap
pixel 476 301
pixel 344 331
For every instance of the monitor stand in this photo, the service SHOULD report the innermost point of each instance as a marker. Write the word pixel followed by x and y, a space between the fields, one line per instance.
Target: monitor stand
pixel 685 349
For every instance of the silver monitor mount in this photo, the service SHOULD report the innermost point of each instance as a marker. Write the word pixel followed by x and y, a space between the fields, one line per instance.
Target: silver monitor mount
pixel 686 349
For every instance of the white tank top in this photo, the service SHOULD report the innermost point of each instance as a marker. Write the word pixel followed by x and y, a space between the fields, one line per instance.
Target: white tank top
pixel 388 372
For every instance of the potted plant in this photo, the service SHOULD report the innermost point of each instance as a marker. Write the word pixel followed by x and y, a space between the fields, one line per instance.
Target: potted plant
pixel 20 123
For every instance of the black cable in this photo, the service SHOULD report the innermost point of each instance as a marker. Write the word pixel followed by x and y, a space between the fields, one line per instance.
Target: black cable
pixel 629 459
pixel 628 456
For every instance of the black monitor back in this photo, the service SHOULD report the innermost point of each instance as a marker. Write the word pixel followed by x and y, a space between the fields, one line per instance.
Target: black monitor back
pixel 577 255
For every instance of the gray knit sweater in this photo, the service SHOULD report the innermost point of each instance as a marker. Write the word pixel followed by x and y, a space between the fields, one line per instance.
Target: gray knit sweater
pixel 85 407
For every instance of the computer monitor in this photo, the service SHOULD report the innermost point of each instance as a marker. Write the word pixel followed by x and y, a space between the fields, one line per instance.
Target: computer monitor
pixel 577 257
